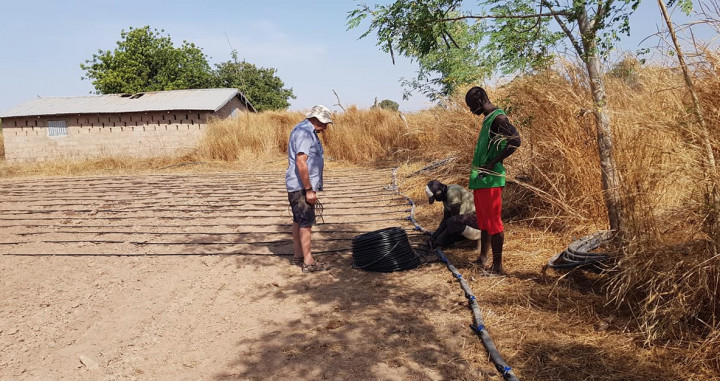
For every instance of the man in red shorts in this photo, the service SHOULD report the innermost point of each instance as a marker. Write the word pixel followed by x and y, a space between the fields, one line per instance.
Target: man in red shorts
pixel 497 140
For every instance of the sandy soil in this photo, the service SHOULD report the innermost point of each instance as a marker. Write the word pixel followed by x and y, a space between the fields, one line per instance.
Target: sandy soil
pixel 186 277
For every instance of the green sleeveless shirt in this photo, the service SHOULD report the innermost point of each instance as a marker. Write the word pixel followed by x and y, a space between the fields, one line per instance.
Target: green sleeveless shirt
pixel 487 149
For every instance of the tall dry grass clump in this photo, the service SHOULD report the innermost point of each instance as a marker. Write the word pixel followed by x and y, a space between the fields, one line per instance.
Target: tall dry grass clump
pixel 248 135
pixel 361 137
pixel 364 137
pixel 670 272
pixel 552 111
pixel 374 136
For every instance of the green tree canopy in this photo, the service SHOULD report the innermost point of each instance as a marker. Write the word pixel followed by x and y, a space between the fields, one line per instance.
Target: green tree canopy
pixel 386 104
pixel 261 86
pixel 454 60
pixel 146 60
pixel 443 69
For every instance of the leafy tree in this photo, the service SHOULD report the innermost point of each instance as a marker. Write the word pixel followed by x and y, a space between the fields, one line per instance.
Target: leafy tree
pixel 442 70
pixel 146 60
pixel 386 104
pixel 511 36
pixel 260 85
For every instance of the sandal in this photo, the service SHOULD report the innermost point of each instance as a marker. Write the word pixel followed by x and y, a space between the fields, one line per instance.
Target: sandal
pixel 296 261
pixel 315 266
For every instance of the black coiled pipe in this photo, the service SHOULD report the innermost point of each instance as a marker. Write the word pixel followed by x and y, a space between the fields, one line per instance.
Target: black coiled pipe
pixel 579 254
pixel 385 250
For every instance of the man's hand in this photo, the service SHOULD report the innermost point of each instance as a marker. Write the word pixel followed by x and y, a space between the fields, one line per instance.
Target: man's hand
pixel 311 197
pixel 488 168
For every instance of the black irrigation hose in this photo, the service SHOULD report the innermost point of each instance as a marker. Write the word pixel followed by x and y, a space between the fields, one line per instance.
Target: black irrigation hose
pixel 206 211
pixel 236 253
pixel 388 250
pixel 410 218
pixel 34 225
pixel 128 232
pixel 205 204
pixel 170 243
pixel 173 190
pixel 579 254
pixel 218 197
pixel 174 208
pixel 385 250
pixel 479 324
pixel 3 218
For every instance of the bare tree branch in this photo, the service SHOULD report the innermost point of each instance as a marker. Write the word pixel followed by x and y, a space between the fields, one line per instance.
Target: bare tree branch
pixel 338 99
pixel 452 39
pixel 567 31
pixel 527 16
pixel 603 9
pixel 447 44
pixel 536 24
pixel 691 87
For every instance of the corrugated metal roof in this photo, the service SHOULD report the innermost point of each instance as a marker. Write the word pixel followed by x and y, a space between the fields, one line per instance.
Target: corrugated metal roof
pixel 194 99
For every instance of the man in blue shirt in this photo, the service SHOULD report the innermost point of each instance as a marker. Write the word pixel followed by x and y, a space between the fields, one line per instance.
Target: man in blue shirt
pixel 304 177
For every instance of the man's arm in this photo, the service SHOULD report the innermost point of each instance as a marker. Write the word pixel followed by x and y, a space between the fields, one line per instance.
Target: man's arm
pixel 502 127
pixel 302 167
pixel 454 210
pixel 446 214
pixel 453 201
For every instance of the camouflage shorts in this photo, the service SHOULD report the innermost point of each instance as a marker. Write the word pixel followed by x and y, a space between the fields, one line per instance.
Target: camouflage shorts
pixel 303 213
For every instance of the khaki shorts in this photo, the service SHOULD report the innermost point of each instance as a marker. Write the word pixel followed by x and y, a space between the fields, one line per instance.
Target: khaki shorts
pixel 303 213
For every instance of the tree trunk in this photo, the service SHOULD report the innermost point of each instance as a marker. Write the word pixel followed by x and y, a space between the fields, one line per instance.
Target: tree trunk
pixel 610 176
pixel 709 167
pixel 691 87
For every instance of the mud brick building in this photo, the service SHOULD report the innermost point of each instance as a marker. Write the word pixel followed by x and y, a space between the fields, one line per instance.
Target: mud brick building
pixel 136 125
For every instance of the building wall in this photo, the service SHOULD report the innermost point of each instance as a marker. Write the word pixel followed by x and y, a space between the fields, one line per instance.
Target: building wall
pixel 232 108
pixel 96 135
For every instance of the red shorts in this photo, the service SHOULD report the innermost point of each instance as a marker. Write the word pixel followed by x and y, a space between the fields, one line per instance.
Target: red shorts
pixel 488 207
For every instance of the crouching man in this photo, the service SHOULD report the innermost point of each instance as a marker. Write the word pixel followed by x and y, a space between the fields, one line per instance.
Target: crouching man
pixel 459 222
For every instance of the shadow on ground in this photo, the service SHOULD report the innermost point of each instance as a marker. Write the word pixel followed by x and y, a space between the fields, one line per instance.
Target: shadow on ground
pixel 354 325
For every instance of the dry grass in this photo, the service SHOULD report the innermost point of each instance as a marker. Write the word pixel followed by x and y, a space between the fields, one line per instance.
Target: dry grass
pixel 132 165
pixel 263 135
pixel 669 274
pixel 87 167
pixel 668 279
pixel 551 327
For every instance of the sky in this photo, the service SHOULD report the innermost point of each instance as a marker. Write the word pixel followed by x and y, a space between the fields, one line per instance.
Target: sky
pixel 43 43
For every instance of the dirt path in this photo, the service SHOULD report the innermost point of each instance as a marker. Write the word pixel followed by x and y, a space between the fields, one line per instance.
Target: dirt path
pixel 124 287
